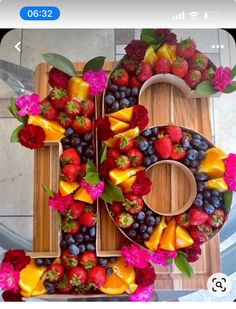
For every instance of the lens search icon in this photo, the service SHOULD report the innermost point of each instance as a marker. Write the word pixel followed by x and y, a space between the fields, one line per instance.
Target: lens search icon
pixel 219 284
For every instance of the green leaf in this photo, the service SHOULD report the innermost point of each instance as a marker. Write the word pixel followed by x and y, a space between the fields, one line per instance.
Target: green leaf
pixel 60 62
pixel 104 153
pixel 231 88
pixel 149 36
pixel 182 253
pixel 205 88
pixel 106 197
pixel 112 193
pixel 228 198
pixel 48 191
pixel 14 111
pixel 233 72
pixel 183 265
pixel 90 167
pixel 92 178
pixel 94 64
pixel 15 133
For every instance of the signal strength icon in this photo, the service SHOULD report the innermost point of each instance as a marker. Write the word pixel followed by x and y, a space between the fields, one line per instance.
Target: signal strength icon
pixel 180 16
pixel 194 15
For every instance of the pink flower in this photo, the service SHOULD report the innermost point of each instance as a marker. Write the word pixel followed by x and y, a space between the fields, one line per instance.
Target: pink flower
pixel 9 278
pixel 94 190
pixel 230 171
pixel 142 294
pixel 28 104
pixel 163 257
pixel 97 81
pixel 221 79
pixel 60 203
pixel 135 256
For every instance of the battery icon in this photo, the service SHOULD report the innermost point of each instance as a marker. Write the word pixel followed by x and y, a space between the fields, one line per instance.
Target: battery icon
pixel 211 15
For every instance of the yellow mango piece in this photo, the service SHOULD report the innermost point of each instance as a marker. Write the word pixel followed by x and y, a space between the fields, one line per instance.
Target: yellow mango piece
pixel 216 153
pixel 218 184
pixel 83 196
pixel 66 188
pixel 163 51
pixel 128 183
pixel 78 88
pixel 150 56
pixel 53 131
pixel 40 288
pixel 213 164
pixel 123 114
pixel 118 126
pixel 118 176
pixel 113 285
pixel 183 238
pixel 110 142
pixel 131 133
pixel 154 240
pixel 172 51
pixel 167 241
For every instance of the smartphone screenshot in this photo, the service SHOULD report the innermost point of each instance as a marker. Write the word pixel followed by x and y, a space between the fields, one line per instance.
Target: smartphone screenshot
pixel 117 152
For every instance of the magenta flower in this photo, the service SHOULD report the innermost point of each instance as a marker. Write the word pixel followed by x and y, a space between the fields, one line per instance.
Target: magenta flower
pixel 60 203
pixel 221 79
pixel 9 278
pixel 163 257
pixel 94 190
pixel 230 171
pixel 28 104
pixel 142 294
pixel 136 256
pixel 97 81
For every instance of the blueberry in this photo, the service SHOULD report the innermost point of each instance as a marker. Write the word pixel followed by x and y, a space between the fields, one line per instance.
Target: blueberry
pixel 90 247
pixel 50 287
pixel 113 87
pixel 145 236
pixel 109 271
pixel 194 163
pixel 79 238
pixel 143 145
pixel 103 261
pixel 63 245
pixel 215 201
pixel 198 202
pixel 65 141
pixel 185 143
pixel 150 150
pixel 200 186
pixel 83 229
pixel 147 161
pixel 117 95
pixel 89 153
pixel 128 92
pixel 122 88
pixel 132 101
pixel 203 146
pixel 140 216
pixel 69 131
pixel 202 177
pixel 48 261
pixel 86 238
pixel 215 192
pixel 75 135
pixel 135 226
pixel 69 239
pixel 193 170
pixel 115 107
pixel 147 133
pixel 79 149
pixel 158 220
pixel 132 233
pixel 154 131
pixel 66 147
pixel 153 140
pixel 196 136
pixel 149 212
pixel 186 162
pixel 139 239
pixel 75 142
pixel 150 230
pixel 206 195
pixel 82 248
pixel 134 92
pixel 92 231
pixel 150 220
pixel 74 249
pixel 143 228
pixel 39 262
pixel 109 99
pixel 195 143
pixel 209 209
pixel 88 136
pixel 192 154
pixel 124 103
pixel 145 153
pixel 84 144
pixel 113 259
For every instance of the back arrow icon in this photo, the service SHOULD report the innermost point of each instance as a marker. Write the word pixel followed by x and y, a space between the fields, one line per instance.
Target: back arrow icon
pixel 17 47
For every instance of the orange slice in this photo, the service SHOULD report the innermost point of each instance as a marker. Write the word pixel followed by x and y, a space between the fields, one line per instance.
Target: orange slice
pixel 183 239
pixel 40 288
pixel 167 241
pixel 123 114
pixel 131 133
pixel 67 187
pixel 155 238
pixel 213 164
pixel 83 195
pixel 123 271
pixel 128 183
pixel 150 56
pixel 163 51
pixel 217 153
pixel 118 126
pixel 118 176
pixel 218 184
pixel 113 285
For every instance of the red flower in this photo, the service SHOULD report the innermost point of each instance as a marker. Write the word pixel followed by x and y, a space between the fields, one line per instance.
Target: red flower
pixel 9 296
pixel 104 129
pixel 142 185
pixel 32 136
pixel 193 253
pixel 145 276
pixel 140 117
pixel 17 258
pixel 105 167
pixel 136 49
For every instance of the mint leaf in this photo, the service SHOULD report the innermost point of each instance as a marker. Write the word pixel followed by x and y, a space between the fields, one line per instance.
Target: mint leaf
pixel 14 136
pixel 228 198
pixel 183 265
pixel 94 64
pixel 104 153
pixel 60 62
pixel 13 109
pixel 233 72
pixel 112 193
pixel 90 167
pixel 205 88
pixel 149 36
pixel 48 191
pixel 231 88
pixel 92 178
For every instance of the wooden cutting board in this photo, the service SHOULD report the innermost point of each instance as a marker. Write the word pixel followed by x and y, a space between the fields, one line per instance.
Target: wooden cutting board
pixel 165 104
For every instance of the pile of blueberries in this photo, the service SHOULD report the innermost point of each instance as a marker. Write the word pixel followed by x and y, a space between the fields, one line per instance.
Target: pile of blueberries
pixel 82 143
pixel 117 98
pixel 147 146
pixel 208 200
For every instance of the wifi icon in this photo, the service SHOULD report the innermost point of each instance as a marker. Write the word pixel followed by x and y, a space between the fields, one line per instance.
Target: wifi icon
pixel 194 14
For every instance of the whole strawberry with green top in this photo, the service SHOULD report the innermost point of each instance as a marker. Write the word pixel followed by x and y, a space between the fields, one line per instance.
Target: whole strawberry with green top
pixel 163 147
pixel 77 276
pixel 120 77
pixel 186 48
pixel 82 125
pixel 124 220
pixel 133 203
pixel 193 78
pixel 48 111
pixel 97 277
pixel 198 62
pixel 59 97
pixel 55 272
pixel 73 108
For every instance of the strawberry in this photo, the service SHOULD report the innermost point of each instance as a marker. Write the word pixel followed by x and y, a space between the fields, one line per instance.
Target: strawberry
pixel 55 272
pixel 120 77
pixel 70 172
pixel 193 78
pixel 75 210
pixel 64 285
pixel 77 276
pixel 64 120
pixel 57 78
pixel 186 48
pixel 70 226
pixel 207 74
pixel 183 220
pixel 68 260
pixel 216 219
pixel 134 82
pixel 175 133
pixel 206 229
pixel 124 220
pixel 129 64
pixel 162 65
pixel 88 108
pixel 88 219
pixel 82 125
pixel 178 152
pixel 97 276
pixel 122 162
pixel 116 208
pixel 73 108
pixel 163 147
pixel 133 203
pixel 197 236
pixel 112 153
pixel 198 62
pixel 124 144
pixel 59 97
pixel 88 260
pixel 69 156
pixel 48 111
pixel 144 71
pixel 83 169
pixel 197 216
pixel 179 67
pixel 136 157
